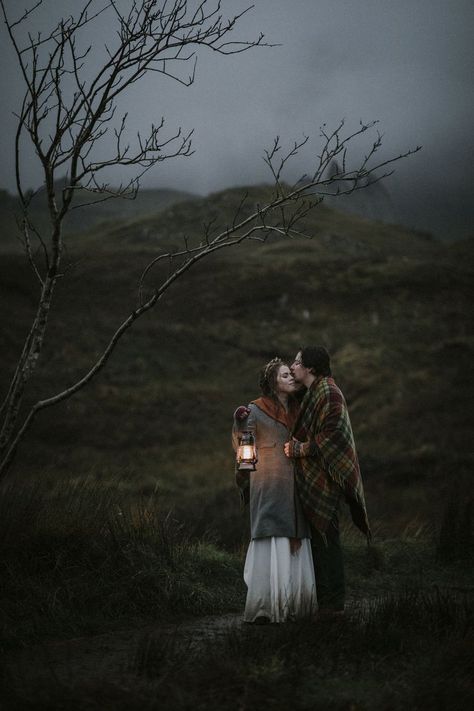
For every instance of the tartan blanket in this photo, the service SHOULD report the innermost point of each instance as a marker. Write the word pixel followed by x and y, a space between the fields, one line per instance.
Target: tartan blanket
pixel 327 467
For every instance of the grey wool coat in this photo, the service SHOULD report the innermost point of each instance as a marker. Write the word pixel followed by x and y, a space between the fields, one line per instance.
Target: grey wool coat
pixel 275 508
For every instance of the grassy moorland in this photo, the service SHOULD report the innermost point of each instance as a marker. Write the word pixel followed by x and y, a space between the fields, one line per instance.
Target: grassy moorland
pixel 81 563
pixel 120 510
pixel 392 306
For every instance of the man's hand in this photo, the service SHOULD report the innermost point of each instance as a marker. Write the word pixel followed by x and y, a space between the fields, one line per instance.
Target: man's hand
pixel 241 413
pixel 302 449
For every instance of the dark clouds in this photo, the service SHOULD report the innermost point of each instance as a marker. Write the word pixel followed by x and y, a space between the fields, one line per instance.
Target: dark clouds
pixel 408 64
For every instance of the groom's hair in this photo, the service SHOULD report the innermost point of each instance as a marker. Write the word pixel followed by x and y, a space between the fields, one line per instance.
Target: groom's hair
pixel 317 359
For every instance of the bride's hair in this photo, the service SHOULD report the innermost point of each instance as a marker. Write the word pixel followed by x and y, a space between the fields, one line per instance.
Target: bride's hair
pixel 268 377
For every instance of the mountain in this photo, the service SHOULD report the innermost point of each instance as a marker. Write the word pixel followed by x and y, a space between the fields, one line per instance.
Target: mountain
pixel 373 200
pixel 429 208
pixel 393 306
pixel 84 216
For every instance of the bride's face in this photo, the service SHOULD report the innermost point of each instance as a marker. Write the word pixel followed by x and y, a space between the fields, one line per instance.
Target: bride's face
pixel 285 382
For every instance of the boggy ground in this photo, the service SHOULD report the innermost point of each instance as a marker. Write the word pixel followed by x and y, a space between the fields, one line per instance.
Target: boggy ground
pixel 409 651
pixel 108 658
pixel 111 604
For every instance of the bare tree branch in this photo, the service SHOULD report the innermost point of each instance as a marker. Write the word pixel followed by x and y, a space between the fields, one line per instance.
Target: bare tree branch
pixel 67 115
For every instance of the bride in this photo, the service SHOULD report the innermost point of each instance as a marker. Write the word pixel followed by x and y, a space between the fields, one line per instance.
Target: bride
pixel 278 571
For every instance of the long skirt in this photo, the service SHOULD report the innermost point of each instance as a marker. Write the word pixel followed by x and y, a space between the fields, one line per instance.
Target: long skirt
pixel 281 585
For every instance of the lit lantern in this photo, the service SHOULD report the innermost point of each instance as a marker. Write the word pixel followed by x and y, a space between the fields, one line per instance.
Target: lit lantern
pixel 246 452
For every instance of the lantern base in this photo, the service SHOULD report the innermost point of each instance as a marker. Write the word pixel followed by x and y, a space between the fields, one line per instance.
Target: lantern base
pixel 246 467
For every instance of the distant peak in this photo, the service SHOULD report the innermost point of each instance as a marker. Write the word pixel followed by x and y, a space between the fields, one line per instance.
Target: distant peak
pixel 333 169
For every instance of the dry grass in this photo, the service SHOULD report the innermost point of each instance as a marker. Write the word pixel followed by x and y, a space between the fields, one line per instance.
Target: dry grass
pixel 80 559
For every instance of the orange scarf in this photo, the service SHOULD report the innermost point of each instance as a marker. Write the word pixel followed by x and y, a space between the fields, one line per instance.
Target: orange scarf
pixel 277 412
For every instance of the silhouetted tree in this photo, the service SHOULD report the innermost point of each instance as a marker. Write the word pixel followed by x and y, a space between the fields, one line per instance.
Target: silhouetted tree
pixel 70 106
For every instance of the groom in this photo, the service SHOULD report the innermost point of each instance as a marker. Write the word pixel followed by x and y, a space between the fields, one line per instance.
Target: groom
pixel 327 470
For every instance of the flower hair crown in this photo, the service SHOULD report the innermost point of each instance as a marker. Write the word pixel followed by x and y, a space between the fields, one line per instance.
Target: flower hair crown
pixel 270 365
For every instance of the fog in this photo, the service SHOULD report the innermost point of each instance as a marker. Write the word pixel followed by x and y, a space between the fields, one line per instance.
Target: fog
pixel 408 65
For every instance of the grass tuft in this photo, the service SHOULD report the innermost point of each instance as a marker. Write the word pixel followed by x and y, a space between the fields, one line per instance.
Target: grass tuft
pixel 456 533
pixel 77 560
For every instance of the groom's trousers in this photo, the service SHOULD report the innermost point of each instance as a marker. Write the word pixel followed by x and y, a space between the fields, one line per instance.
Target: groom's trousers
pixel 329 568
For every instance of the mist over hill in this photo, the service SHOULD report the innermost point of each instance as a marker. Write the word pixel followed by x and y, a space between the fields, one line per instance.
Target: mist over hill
pixel 393 307
pixel 444 212
pixel 372 200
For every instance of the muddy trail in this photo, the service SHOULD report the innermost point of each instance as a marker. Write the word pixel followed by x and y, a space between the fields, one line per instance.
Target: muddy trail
pixel 172 664
pixel 123 653
pixel 106 656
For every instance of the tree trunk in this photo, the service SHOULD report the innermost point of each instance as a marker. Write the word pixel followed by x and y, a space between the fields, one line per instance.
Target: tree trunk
pixel 26 366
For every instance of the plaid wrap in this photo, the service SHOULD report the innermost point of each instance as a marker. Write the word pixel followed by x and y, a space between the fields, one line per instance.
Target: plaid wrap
pixel 327 467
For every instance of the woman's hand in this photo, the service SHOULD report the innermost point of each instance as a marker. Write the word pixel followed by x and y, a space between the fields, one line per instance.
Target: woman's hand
pixel 287 449
pixel 241 413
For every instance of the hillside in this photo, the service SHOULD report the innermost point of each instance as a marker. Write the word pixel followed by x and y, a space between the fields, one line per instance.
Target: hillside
pixel 83 217
pixel 392 306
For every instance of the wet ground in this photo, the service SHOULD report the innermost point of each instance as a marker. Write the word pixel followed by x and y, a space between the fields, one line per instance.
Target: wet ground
pixel 83 659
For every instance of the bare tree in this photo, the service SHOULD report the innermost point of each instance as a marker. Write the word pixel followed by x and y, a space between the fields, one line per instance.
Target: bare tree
pixel 65 115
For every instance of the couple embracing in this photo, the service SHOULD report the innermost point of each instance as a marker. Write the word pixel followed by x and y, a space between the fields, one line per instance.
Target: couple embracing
pixel 307 463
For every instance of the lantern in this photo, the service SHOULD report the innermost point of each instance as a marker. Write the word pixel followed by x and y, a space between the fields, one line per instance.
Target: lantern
pixel 246 452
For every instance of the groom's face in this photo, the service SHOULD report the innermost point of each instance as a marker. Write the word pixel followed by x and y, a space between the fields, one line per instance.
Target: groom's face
pixel 297 368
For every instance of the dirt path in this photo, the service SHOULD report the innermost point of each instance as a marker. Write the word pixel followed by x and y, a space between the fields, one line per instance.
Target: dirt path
pixel 105 656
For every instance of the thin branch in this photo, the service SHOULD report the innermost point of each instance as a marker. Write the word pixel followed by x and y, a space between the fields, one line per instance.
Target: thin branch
pixel 26 14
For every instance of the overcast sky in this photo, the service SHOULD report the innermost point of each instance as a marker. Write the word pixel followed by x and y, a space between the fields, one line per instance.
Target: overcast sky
pixel 408 64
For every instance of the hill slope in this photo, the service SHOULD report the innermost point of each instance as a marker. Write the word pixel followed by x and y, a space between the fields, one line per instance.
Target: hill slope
pixel 82 217
pixel 392 306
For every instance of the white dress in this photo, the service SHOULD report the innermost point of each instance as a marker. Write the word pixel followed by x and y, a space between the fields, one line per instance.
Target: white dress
pixel 281 585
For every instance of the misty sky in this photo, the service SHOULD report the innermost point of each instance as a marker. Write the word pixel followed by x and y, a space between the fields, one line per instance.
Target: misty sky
pixel 408 64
